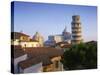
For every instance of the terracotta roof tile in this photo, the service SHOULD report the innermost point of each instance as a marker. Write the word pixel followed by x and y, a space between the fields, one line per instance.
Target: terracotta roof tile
pixel 16 51
pixel 17 35
pixel 45 60
pixel 36 51
pixel 62 43
pixel 28 63
pixel 40 54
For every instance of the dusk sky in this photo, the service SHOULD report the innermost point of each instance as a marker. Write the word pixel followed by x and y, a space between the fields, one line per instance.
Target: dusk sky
pixel 51 19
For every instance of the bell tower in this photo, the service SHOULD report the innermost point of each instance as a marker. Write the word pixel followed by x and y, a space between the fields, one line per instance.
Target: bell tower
pixel 76 30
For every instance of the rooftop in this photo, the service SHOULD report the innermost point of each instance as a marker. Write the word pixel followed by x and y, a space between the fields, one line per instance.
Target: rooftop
pixel 38 51
pixel 40 54
pixel 17 35
pixel 16 51
pixel 33 61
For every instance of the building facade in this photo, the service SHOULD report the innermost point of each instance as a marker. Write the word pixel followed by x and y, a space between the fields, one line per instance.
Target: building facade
pixel 38 37
pixel 17 56
pixel 19 38
pixel 36 59
pixel 53 39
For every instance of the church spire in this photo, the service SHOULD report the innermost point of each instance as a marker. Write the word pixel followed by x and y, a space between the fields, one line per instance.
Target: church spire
pixel 65 30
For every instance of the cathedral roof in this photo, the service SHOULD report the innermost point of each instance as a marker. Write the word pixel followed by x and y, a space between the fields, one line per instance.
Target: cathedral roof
pixel 37 35
pixel 65 31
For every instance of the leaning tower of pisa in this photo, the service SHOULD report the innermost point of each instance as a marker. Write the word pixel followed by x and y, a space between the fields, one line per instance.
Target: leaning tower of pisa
pixel 76 30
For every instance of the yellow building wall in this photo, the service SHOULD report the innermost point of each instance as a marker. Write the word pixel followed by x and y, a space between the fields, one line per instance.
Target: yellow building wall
pixel 24 38
pixel 52 67
pixel 30 44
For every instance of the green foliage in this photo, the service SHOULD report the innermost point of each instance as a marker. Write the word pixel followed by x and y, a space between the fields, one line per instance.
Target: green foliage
pixel 80 56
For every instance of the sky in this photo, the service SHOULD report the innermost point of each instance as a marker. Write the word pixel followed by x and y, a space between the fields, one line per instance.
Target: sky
pixel 51 19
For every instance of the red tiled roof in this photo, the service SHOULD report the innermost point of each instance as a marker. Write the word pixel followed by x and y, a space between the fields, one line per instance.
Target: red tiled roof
pixel 28 63
pixel 62 43
pixel 40 54
pixel 17 35
pixel 36 51
pixel 33 61
pixel 66 46
pixel 91 42
pixel 36 55
pixel 16 51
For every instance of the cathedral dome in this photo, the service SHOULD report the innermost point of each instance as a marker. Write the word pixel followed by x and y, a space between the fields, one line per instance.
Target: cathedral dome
pixel 38 37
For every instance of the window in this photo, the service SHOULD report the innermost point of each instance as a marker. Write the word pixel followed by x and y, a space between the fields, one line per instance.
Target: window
pixel 24 45
pixel 56 64
pixel 77 19
pixel 21 38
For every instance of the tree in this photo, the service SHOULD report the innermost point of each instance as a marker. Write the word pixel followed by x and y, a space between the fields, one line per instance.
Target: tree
pixel 80 56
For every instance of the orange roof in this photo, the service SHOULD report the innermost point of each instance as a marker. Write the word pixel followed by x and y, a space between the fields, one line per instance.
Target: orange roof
pixel 40 54
pixel 17 35
pixel 16 51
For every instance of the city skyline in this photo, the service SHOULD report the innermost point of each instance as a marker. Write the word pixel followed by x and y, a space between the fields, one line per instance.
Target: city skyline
pixel 51 19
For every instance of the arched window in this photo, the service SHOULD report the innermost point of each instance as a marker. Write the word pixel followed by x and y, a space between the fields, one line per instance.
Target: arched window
pixel 24 45
pixel 56 64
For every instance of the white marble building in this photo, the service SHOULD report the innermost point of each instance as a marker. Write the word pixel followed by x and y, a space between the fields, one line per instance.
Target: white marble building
pixel 53 39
